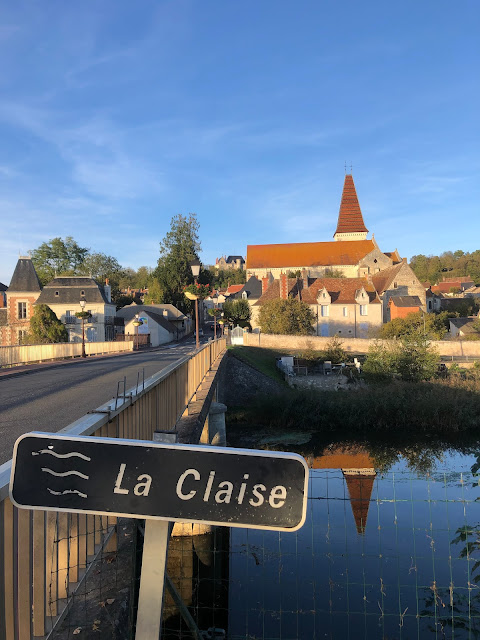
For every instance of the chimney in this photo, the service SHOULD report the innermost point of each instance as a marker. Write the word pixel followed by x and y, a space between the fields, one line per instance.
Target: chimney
pixel 108 290
pixel 305 278
pixel 265 284
pixel 283 286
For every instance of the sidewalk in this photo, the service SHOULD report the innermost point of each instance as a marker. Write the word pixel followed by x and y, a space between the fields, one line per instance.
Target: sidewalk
pixel 24 369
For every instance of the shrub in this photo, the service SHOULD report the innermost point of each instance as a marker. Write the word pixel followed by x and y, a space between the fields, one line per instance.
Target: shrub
pixel 334 351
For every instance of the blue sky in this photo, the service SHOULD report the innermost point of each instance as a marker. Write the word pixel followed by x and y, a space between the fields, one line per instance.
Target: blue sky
pixel 117 115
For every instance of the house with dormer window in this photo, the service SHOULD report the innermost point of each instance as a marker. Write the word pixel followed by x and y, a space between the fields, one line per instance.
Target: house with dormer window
pixel 345 307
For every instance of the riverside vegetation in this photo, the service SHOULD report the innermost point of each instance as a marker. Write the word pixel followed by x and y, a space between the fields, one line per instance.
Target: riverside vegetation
pixel 382 414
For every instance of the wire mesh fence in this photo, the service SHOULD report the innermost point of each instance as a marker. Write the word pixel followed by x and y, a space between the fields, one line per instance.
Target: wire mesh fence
pixel 384 556
pixel 100 604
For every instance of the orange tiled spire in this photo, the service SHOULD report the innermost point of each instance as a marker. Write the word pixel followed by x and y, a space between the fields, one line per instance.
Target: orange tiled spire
pixel 350 219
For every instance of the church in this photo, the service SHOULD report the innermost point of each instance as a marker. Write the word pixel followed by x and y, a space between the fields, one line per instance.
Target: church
pixel 351 285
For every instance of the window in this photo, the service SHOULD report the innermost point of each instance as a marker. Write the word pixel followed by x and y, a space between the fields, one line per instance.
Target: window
pixel 395 285
pixel 22 310
pixel 22 334
pixel 363 310
pixel 345 312
pixel 57 293
pixel 82 293
pixel 325 310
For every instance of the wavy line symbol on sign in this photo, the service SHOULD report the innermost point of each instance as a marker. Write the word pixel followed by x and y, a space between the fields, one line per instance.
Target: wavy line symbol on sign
pixel 64 474
pixel 62 455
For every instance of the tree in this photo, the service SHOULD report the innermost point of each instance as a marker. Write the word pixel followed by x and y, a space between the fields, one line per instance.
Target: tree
pixel 45 327
pixel 286 317
pixel 333 273
pixel 57 257
pixel 431 324
pixel 237 312
pixel 155 293
pixel 222 278
pixel 103 267
pixel 180 246
pixel 410 358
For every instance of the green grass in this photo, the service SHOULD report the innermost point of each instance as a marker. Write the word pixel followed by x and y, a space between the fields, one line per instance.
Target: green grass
pixel 262 360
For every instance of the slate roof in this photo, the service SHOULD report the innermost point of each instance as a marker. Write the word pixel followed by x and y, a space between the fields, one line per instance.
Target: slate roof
pixel 307 254
pixel 341 290
pixel 234 259
pixel 405 301
pixel 69 290
pixel 3 287
pixel 25 277
pixel 253 287
pixel 464 324
pixel 130 310
pixel 350 219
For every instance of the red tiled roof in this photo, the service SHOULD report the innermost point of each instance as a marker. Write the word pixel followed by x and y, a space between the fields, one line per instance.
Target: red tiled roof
pixel 394 255
pixel 273 291
pixel 341 290
pixel 234 288
pixel 350 219
pixel 383 279
pixel 307 254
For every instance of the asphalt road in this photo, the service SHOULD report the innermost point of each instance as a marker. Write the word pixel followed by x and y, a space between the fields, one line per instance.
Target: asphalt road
pixel 49 399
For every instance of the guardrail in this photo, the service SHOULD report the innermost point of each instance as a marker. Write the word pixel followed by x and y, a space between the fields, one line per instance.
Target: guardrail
pixel 44 555
pixel 21 354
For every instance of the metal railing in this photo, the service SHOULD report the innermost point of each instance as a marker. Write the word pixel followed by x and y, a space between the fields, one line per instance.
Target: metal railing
pixel 22 354
pixel 44 555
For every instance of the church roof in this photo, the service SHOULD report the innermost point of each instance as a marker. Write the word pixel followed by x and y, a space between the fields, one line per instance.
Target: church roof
pixel 350 219
pixel 307 254
pixel 24 277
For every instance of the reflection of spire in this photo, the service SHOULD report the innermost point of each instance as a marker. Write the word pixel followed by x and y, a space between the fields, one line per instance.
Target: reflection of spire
pixel 358 470
pixel 360 486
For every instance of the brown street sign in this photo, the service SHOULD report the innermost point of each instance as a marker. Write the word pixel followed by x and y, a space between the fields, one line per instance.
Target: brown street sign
pixel 138 479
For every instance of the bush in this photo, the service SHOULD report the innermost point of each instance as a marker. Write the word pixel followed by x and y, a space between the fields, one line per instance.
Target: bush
pixel 334 351
pixel 286 317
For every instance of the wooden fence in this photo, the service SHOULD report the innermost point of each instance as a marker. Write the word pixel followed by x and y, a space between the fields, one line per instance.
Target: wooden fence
pixel 44 555
pixel 22 354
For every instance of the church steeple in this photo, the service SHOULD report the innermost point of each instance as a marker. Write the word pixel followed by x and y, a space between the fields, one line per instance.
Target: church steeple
pixel 350 224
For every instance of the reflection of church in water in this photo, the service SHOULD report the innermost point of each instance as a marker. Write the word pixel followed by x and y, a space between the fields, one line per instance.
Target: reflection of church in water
pixel 358 470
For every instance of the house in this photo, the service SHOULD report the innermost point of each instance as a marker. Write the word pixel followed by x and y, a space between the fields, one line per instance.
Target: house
pixel 346 307
pixel 472 292
pixel 433 300
pixel 163 323
pixel 463 327
pixel 401 306
pixel 451 286
pixel 19 298
pixel 230 262
pixel 3 295
pixel 397 280
pixel 63 295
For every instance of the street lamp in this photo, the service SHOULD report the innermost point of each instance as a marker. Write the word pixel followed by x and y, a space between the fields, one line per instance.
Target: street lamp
pixel 83 302
pixel 195 267
pixel 136 323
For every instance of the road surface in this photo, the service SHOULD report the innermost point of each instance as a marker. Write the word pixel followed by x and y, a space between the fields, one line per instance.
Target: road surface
pixel 50 399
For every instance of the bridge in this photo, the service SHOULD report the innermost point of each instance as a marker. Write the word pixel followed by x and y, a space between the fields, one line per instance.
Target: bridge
pixel 44 556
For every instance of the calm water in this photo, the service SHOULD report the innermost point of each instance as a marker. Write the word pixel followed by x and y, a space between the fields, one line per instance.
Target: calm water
pixel 390 549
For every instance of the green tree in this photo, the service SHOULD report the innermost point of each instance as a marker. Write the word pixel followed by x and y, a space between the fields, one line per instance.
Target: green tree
pixel 334 273
pixel 222 278
pixel 45 327
pixel 57 257
pixel 103 267
pixel 431 324
pixel 334 351
pixel 410 358
pixel 180 246
pixel 237 311
pixel 286 317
